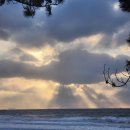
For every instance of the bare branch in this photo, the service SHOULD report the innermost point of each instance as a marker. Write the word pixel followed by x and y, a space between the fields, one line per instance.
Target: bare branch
pixel 116 81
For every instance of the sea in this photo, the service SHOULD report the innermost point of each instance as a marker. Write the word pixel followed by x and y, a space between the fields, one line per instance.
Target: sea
pixel 65 119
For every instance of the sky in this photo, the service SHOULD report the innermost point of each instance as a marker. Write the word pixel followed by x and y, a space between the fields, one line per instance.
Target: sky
pixel 57 61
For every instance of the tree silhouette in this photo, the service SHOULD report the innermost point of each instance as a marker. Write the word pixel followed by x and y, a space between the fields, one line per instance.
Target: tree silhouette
pixel 117 80
pixel 30 6
pixel 122 79
pixel 125 5
pixel 2 2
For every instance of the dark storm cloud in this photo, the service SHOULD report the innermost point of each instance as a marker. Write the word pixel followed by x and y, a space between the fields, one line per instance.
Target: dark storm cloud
pixel 65 98
pixel 77 66
pixel 25 31
pixel 74 66
pixel 12 21
pixel 10 68
pixel 74 19
pixel 84 18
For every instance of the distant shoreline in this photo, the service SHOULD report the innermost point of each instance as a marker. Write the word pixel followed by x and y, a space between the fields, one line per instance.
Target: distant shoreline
pixel 123 112
pixel 66 109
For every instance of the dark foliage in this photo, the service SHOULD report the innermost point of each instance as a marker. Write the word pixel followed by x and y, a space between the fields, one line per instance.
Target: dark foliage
pixel 125 5
pixel 30 6
pixel 2 2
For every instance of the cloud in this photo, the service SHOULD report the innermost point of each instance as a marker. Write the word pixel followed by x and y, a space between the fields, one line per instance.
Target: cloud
pixel 80 19
pixel 17 54
pixel 100 100
pixel 123 95
pixel 74 66
pixel 115 39
pixel 78 66
pixel 10 68
pixel 65 98
pixel 27 57
pixel 12 22
pixel 72 20
pixel 4 35
pixel 21 100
